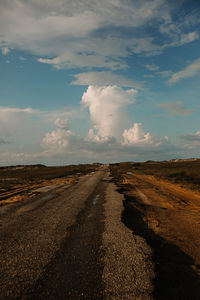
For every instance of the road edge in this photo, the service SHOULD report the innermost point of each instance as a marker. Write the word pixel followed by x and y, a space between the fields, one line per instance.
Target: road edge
pixel 128 267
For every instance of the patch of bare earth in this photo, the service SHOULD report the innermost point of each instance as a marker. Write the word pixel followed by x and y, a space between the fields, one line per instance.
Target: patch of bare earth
pixel 167 216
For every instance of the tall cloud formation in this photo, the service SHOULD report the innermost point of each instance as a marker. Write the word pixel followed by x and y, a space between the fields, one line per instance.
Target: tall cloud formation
pixel 108 139
pixel 107 110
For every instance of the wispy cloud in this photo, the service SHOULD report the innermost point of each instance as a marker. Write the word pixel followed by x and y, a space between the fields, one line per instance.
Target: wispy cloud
pixel 191 137
pixel 191 141
pixel 189 37
pixel 104 78
pixel 176 108
pixel 152 67
pixel 187 72
pixel 165 73
pixel 71 34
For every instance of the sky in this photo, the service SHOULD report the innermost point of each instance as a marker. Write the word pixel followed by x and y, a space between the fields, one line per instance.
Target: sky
pixel 85 81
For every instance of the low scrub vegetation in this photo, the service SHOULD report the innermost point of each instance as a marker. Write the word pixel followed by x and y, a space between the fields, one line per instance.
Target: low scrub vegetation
pixel 19 175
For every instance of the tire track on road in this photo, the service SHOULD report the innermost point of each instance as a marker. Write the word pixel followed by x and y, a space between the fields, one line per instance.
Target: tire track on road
pixel 76 269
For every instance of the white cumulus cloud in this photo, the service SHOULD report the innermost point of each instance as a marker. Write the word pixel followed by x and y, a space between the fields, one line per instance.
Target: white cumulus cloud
pixel 107 140
pixel 58 141
pixel 136 136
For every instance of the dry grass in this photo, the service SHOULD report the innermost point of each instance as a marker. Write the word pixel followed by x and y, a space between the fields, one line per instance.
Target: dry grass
pixel 19 183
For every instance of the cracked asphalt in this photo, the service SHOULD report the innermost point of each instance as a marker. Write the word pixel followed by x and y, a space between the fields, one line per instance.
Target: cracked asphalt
pixel 72 244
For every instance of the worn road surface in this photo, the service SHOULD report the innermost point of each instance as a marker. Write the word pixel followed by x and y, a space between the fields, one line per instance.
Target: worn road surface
pixel 70 243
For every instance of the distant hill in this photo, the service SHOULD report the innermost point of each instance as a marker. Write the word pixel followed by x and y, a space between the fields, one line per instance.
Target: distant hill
pixel 19 167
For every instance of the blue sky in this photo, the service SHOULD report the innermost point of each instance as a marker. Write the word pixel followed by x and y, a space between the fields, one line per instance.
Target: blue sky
pixel 85 81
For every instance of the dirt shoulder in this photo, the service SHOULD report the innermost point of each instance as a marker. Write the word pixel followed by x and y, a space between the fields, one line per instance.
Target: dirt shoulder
pixel 167 217
pixel 171 211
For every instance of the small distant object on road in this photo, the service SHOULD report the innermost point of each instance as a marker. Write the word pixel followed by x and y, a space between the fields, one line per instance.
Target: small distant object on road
pixel 129 173
pixel 105 179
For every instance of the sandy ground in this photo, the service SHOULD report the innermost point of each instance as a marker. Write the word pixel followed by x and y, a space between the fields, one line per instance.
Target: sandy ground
pixel 167 216
pixel 172 212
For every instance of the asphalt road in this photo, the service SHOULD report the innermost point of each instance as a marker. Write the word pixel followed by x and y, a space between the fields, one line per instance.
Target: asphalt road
pixel 71 244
